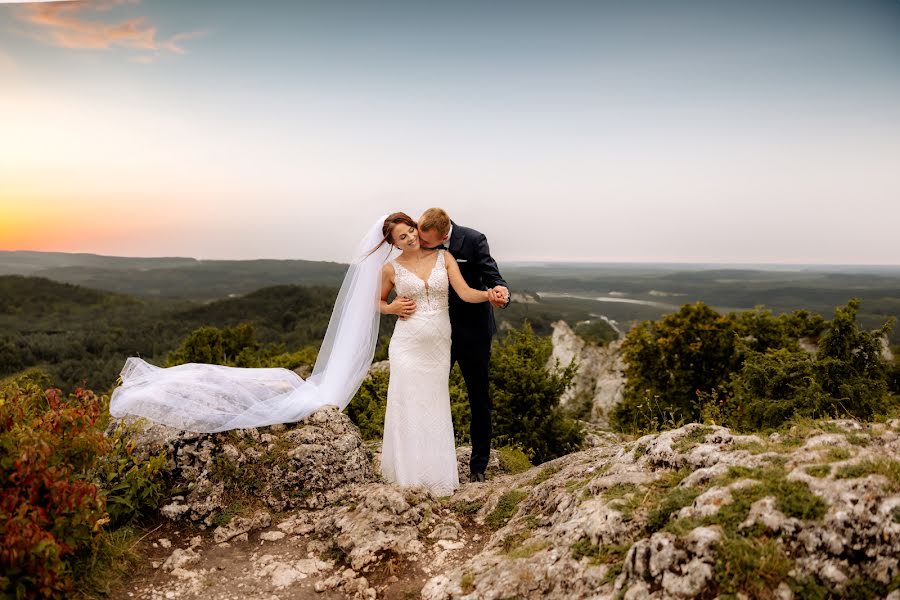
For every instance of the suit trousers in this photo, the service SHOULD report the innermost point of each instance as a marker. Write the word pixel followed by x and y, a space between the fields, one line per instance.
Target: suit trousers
pixel 474 356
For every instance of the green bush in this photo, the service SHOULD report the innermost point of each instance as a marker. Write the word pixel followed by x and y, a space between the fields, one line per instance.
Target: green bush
pixel 368 406
pixel 51 513
pixel 134 486
pixel 513 459
pixel 846 377
pixel 231 346
pixel 693 349
pixel 238 347
pixel 747 370
pixel 525 395
pixel 597 332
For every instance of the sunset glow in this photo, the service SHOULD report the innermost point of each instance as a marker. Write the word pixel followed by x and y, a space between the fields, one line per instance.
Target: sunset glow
pixel 706 131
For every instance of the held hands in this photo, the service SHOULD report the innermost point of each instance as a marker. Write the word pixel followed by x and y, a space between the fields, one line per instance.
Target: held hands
pixel 498 296
pixel 403 307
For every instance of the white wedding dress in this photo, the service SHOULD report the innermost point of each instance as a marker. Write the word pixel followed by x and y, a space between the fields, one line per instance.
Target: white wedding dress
pixel 419 447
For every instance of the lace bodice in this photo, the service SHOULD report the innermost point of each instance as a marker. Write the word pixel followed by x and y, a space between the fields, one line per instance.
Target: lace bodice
pixel 430 294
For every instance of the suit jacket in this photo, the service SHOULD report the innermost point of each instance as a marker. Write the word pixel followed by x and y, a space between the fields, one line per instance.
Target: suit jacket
pixel 479 269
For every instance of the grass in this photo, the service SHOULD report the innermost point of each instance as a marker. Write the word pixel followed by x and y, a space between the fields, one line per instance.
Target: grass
pixel 467 583
pixel 818 470
pixel 510 543
pixel 466 508
pixel 620 491
pixel 113 558
pixel 858 439
pixel 505 509
pixel 598 554
pixel 612 573
pixel 626 498
pixel 577 484
pixel 232 510
pixel 889 469
pixel 529 550
pixel 513 460
pixel 838 453
pixel 692 439
pixel 671 503
pixel 335 553
pixel 545 474
pixel 751 566
pixel 640 451
pixel 793 498
pixel 752 447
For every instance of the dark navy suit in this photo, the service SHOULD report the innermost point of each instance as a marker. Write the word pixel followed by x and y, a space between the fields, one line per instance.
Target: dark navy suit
pixel 473 326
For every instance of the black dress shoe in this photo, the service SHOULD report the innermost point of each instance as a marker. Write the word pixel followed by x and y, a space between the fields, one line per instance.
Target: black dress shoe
pixel 476 477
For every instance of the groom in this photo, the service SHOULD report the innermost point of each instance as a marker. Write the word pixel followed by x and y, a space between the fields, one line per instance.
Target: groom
pixel 472 325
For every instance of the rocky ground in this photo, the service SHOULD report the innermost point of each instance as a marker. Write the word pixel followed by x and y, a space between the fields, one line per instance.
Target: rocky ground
pixel 696 512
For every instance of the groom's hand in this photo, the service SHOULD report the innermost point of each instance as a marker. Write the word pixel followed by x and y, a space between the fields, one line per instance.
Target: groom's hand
pixel 498 296
pixel 403 307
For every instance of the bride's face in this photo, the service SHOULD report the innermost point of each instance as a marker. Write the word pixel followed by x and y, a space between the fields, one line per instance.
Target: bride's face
pixel 405 237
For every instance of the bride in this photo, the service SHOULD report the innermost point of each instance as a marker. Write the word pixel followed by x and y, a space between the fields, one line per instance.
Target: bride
pixel 209 398
pixel 418 446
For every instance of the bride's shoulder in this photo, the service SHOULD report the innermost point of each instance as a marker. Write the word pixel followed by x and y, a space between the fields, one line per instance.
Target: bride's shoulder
pixel 388 268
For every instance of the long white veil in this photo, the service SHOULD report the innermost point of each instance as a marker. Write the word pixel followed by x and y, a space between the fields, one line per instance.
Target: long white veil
pixel 208 398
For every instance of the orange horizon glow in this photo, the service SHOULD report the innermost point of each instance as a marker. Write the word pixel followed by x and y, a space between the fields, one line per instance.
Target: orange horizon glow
pixel 60 226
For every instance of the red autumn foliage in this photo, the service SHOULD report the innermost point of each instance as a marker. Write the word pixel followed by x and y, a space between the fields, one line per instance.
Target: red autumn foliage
pixel 50 511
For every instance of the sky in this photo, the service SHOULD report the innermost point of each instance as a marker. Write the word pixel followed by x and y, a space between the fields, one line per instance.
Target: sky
pixel 720 131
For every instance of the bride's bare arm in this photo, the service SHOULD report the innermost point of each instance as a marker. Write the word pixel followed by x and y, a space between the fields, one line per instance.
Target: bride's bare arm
pixel 459 284
pixel 387 284
pixel 402 306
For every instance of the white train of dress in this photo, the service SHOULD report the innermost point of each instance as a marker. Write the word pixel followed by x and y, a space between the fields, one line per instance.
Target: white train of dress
pixel 208 398
pixel 418 446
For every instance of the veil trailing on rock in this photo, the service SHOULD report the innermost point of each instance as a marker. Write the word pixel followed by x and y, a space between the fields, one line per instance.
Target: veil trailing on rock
pixel 207 398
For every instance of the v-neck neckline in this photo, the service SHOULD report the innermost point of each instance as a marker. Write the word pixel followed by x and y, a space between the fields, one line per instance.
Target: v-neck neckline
pixel 430 273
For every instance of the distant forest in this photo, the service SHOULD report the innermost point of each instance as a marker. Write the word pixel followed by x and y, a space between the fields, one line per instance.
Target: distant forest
pixel 81 334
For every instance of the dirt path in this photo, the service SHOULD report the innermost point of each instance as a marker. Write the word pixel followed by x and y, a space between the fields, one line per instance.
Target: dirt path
pixel 272 563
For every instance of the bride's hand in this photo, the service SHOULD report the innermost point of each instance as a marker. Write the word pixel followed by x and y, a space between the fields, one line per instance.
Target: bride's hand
pixel 403 307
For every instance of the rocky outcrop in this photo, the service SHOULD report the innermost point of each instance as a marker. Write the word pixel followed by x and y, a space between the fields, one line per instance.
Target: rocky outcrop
pixel 309 464
pixel 601 372
pixel 693 512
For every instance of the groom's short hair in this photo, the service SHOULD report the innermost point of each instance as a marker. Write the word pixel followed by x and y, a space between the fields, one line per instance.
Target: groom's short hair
pixel 437 219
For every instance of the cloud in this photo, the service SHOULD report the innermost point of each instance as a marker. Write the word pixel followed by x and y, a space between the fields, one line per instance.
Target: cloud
pixel 64 24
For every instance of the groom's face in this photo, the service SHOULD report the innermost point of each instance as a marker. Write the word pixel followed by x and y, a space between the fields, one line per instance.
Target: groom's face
pixel 430 239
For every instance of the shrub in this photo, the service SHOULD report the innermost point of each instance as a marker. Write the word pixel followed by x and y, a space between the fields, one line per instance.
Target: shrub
pixel 597 332
pixel 238 347
pixel 134 486
pixel 669 360
pixel 747 371
pixel 367 408
pixel 846 377
pixel 231 346
pixel 525 395
pixel 513 459
pixel 51 514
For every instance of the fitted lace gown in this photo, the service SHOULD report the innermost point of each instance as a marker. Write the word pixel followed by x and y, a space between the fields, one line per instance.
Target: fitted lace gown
pixel 418 446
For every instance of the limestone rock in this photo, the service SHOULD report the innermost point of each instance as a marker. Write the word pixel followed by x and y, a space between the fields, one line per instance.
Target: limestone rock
pixel 307 464
pixel 601 371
